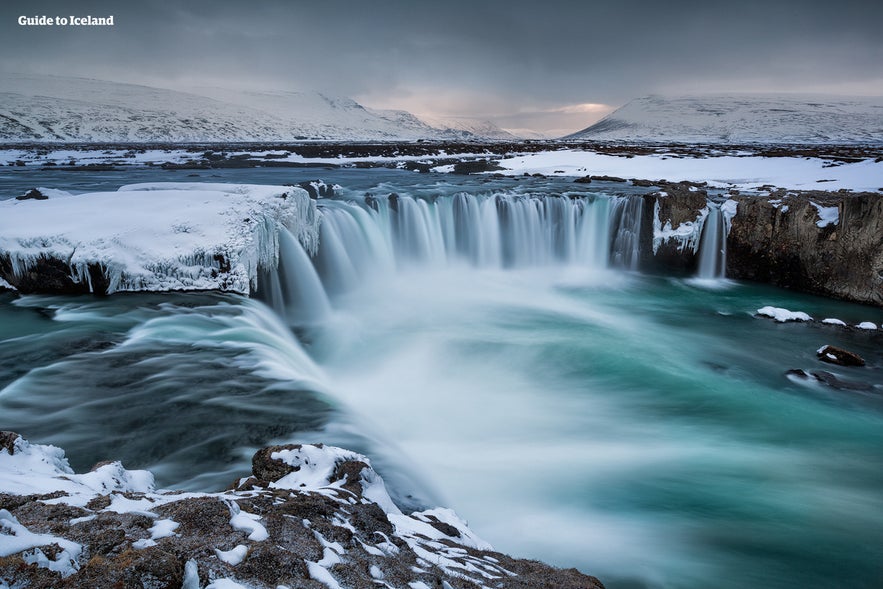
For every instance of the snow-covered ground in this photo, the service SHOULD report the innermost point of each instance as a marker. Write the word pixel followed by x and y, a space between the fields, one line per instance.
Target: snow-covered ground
pixel 165 236
pixel 742 172
pixel 743 118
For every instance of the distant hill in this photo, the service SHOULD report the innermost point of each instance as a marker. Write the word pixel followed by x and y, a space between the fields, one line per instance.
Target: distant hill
pixel 53 108
pixel 746 118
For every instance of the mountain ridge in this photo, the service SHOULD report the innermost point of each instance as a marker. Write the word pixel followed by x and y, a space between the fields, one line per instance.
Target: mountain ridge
pixel 68 109
pixel 742 118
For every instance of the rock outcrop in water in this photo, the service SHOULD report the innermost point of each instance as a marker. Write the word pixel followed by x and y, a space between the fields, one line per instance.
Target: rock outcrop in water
pixel 311 516
pixel 672 222
pixel 826 243
pixel 819 242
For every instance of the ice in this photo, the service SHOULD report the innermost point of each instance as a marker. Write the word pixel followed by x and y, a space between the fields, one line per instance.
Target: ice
pixel 867 325
pixel 175 236
pixel 782 315
pixel 686 234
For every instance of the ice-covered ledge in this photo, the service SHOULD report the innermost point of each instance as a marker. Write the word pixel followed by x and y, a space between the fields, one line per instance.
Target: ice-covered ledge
pixel 154 237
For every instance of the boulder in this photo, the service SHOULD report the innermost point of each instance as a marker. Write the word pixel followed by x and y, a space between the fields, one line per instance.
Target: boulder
pixel 839 356
pixel 32 194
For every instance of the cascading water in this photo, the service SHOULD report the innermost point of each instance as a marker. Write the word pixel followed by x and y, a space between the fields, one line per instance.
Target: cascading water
pixel 625 227
pixel 294 289
pixel 372 238
pixel 713 245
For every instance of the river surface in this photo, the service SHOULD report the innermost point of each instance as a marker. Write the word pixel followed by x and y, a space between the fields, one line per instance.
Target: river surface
pixel 641 428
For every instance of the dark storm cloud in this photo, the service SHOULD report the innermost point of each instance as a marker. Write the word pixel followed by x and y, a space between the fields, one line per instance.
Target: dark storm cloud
pixel 478 57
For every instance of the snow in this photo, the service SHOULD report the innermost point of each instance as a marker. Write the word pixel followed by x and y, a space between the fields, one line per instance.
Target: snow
pixel 831 321
pixel 247 522
pixel 162 528
pixel 191 575
pixel 743 118
pixel 233 556
pixel 41 469
pixel 316 465
pixel 827 215
pixel 68 109
pixel 15 538
pixel 161 236
pixel 321 574
pixel 782 315
pixel 226 583
pixel 744 173
pixel 867 325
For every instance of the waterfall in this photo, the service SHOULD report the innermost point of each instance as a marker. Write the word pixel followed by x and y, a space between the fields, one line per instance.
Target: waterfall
pixel 488 231
pixel 625 230
pixel 712 245
pixel 294 289
pixel 367 240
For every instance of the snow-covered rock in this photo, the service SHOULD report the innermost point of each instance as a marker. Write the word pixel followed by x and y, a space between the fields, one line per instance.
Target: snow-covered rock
pixel 743 118
pixel 158 237
pixel 328 518
pixel 783 315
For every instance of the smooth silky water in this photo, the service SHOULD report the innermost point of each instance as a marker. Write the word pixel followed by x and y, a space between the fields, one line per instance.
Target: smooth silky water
pixel 492 350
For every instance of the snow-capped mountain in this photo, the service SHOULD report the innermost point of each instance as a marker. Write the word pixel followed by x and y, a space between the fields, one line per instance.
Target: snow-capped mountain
pixel 51 108
pixel 469 127
pixel 746 118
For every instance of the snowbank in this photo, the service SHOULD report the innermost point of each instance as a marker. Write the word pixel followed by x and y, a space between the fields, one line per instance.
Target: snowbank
pixel 157 237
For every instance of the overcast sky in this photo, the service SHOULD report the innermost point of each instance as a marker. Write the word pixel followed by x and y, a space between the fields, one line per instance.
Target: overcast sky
pixel 546 64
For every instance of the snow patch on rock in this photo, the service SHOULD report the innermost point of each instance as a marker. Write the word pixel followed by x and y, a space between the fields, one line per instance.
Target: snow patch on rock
pixel 782 315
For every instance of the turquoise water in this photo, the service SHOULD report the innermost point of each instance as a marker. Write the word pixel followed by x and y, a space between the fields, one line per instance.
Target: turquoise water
pixel 641 428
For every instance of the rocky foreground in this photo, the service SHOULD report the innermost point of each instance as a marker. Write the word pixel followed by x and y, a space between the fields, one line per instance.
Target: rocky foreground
pixel 310 516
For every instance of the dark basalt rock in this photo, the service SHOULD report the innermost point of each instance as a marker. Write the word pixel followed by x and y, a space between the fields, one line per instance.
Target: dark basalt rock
pixel 845 385
pixel 7 441
pixel 476 167
pixel 677 203
pixel 317 189
pixel 267 469
pixel 789 249
pixel 53 276
pixel 32 194
pixel 834 355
